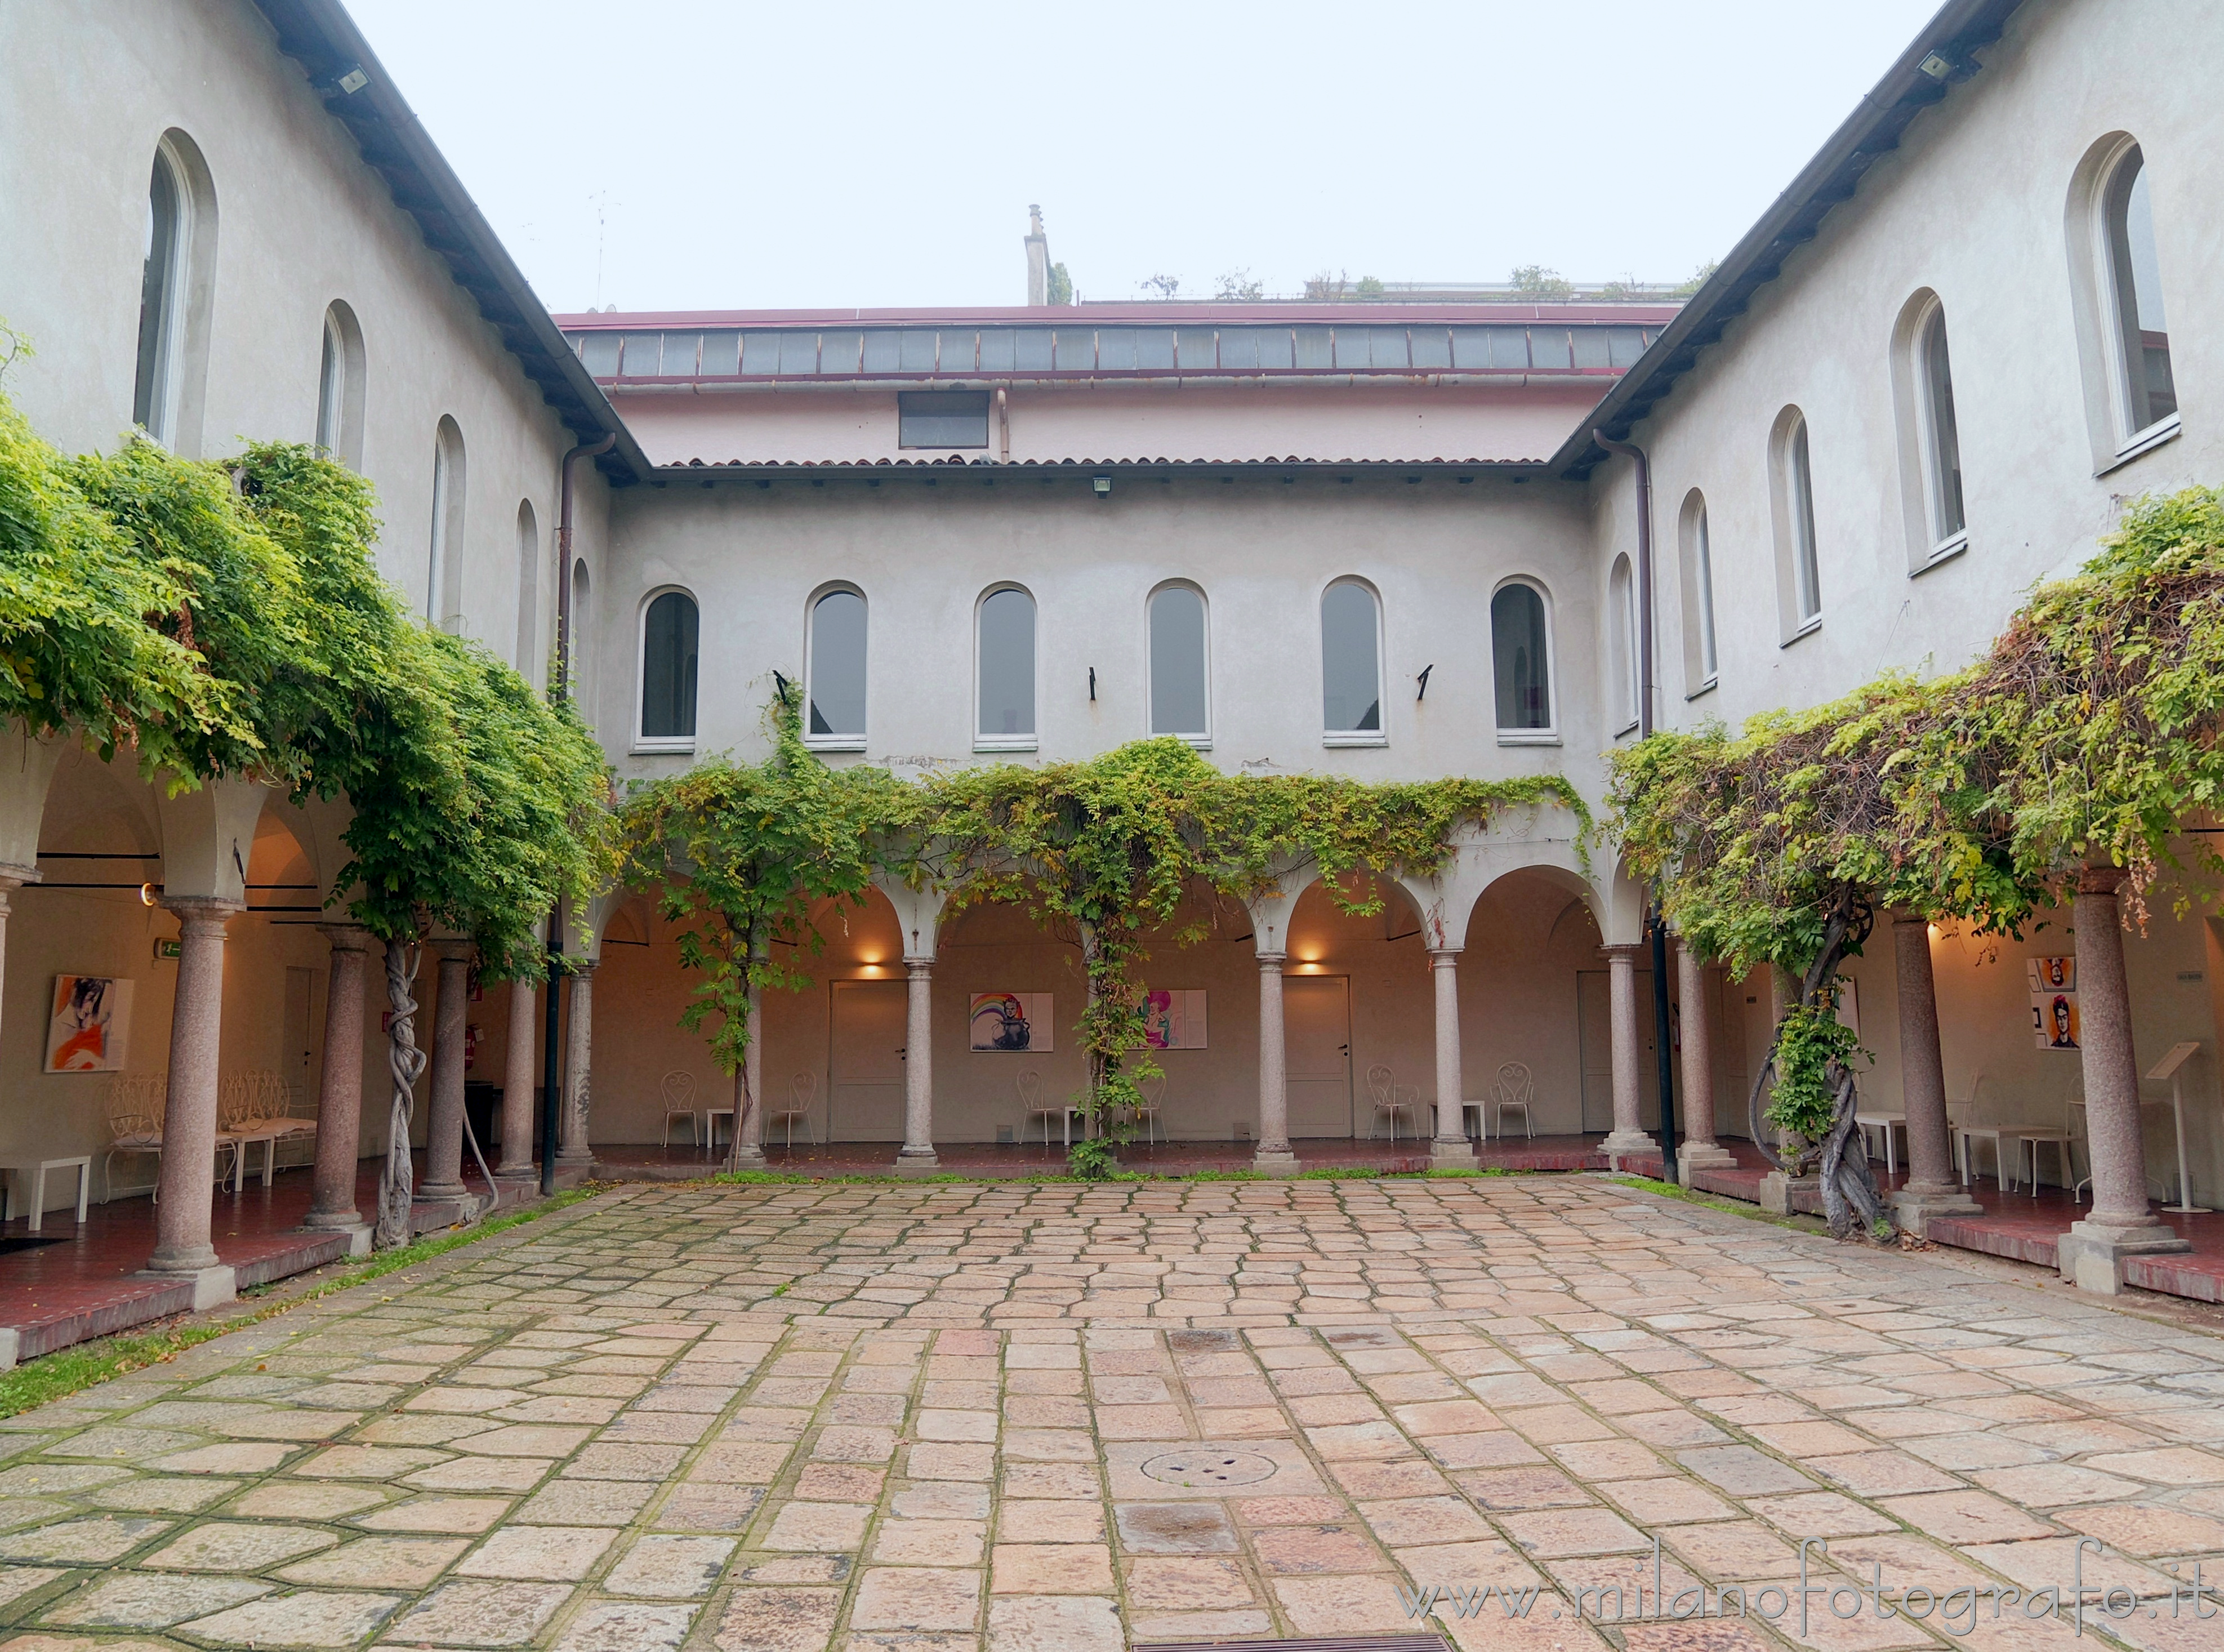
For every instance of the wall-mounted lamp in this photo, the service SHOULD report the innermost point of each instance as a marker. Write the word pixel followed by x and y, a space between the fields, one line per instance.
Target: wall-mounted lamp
pixel 1423 680
pixel 149 893
pixel 1935 67
pixel 1101 483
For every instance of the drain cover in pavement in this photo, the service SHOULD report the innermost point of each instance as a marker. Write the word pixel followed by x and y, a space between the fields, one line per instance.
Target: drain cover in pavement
pixel 1211 1468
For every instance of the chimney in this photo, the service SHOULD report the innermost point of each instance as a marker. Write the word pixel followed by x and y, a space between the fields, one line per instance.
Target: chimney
pixel 1038 260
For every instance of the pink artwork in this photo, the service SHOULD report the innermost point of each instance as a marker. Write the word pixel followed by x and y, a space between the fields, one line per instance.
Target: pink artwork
pixel 1174 1020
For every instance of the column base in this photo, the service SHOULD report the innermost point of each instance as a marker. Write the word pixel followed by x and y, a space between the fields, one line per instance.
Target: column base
pixel 1779 1190
pixel 439 1190
pixel 344 1221
pixel 910 1164
pixel 358 1232
pixel 1913 1207
pixel 748 1158
pixel 1703 1155
pixel 11 1344
pixel 1628 1144
pixel 427 1214
pixel 1281 1163
pixel 213 1286
pixel 2091 1254
pixel 1452 1156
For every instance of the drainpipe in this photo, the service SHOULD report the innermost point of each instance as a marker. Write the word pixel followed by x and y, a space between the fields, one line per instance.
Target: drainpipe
pixel 560 690
pixel 1661 1047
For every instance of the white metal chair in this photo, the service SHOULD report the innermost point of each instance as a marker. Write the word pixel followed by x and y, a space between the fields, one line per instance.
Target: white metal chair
pixel 1391 1098
pixel 1966 1124
pixel 1153 1095
pixel 2031 1137
pixel 1515 1088
pixel 680 1101
pixel 802 1092
pixel 1033 1109
pixel 136 1102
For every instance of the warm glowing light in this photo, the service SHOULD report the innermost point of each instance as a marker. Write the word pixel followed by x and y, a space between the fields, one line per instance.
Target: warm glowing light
pixel 1937 933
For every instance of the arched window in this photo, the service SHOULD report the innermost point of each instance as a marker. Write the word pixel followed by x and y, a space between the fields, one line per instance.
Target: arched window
pixel 2148 392
pixel 1351 665
pixel 1520 659
pixel 444 583
pixel 1942 441
pixel 174 293
pixel 1621 646
pixel 340 388
pixel 1179 703
pixel 1700 661
pixel 834 672
pixel 528 593
pixel 668 626
pixel 1792 488
pixel 1005 670
pixel 1930 437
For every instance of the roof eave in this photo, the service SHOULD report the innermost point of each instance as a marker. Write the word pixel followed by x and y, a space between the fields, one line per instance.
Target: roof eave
pixel 321 36
pixel 1955 33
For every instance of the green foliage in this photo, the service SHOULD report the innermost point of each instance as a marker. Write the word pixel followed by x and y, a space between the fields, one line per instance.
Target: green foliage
pixel 1812 1047
pixel 230 620
pixel 1108 854
pixel 1060 285
pixel 1546 286
pixel 1095 1158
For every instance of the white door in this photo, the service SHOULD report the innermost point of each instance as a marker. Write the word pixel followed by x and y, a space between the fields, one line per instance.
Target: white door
pixel 866 1066
pixel 1316 1041
pixel 300 1056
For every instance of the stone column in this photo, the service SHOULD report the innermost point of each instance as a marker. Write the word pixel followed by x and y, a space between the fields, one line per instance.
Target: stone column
pixel 1452 1148
pixel 1628 1136
pixel 1274 1155
pixel 444 1126
pixel 185 1186
pixel 517 1089
pixel 1933 1188
pixel 339 1084
pixel 571 1147
pixel 1699 1149
pixel 748 1093
pixel 2121 1224
pixel 917 1157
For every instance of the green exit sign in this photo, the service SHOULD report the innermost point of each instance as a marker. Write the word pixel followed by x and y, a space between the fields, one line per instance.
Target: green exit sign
pixel 168 952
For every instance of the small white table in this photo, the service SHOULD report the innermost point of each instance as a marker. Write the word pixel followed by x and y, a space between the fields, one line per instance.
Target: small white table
pixel 37 1169
pixel 711 1117
pixel 1887 1123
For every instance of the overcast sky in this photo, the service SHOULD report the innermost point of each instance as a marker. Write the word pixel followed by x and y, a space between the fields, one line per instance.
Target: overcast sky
pixel 701 154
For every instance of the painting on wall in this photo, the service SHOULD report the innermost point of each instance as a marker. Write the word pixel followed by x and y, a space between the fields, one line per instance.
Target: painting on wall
pixel 91 1031
pixel 1174 1020
pixel 1010 1023
pixel 2053 1002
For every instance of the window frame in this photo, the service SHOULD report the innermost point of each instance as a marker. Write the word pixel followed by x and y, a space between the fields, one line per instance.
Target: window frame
pixel 1550 734
pixel 2121 306
pixel 1623 666
pixel 1201 739
pixel 1031 741
pixel 1340 739
pixel 1791 498
pixel 1915 411
pixel 340 393
pixel 171 379
pixel 834 742
pixel 1702 637
pixel 2097 314
pixel 444 566
pixel 529 560
pixel 665 743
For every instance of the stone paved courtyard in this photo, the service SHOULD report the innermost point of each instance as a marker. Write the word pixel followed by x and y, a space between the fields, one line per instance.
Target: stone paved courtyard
pixel 980 1418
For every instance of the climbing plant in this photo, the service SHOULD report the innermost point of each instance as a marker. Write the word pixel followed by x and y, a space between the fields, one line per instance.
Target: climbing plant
pixel 1109 854
pixel 2088 732
pixel 228 619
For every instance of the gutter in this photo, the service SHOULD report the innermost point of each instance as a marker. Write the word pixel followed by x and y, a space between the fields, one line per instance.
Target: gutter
pixel 1951 42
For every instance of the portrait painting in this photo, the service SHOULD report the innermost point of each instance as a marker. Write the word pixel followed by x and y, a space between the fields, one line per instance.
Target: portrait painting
pixel 1174 1020
pixel 1009 1022
pixel 91 1027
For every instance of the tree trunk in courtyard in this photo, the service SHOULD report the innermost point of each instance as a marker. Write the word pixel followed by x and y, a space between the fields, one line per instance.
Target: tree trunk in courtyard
pixel 405 1062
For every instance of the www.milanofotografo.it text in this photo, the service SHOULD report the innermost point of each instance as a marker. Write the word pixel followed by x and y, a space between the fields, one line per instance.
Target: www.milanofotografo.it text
pixel 1958 1610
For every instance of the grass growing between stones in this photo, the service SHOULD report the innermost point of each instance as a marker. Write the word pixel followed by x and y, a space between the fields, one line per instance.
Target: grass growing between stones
pixel 85 1364
pixel 1728 1206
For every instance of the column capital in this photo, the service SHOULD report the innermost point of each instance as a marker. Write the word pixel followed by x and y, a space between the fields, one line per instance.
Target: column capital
pixel 2101 880
pixel 14 877
pixel 919 966
pixel 1272 960
pixel 1443 957
pixel 580 969
pixel 1622 951
pixel 202 915
pixel 1904 917
pixel 347 937
pixel 453 949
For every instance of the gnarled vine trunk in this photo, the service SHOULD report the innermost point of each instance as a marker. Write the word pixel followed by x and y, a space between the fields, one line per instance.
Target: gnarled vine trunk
pixel 405 1062
pixel 1850 1196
